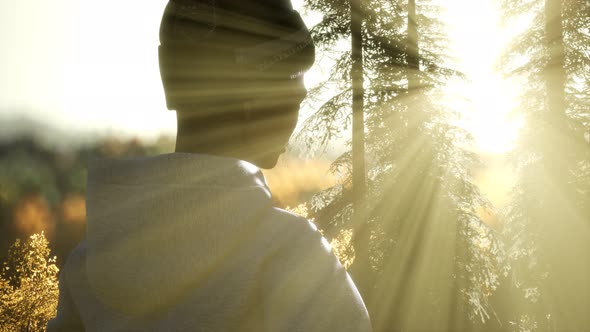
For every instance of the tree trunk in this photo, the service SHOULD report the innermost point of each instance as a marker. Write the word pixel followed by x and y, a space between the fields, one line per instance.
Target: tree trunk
pixel 412 50
pixel 361 268
pixel 564 233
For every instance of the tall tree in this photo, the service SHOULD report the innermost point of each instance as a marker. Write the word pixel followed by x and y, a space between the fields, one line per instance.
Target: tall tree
pixel 361 235
pixel 432 261
pixel 548 220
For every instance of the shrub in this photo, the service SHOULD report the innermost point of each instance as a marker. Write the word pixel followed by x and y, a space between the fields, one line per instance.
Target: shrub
pixel 28 286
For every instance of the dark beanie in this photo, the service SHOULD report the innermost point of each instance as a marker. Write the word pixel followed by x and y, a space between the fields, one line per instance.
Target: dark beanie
pixel 254 35
pixel 211 49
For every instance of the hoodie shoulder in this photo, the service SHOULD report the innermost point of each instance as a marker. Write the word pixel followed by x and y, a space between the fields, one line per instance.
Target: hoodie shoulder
pixel 295 229
pixel 305 286
pixel 289 219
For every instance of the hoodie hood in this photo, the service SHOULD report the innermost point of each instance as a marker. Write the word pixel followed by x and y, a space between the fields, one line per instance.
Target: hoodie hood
pixel 159 226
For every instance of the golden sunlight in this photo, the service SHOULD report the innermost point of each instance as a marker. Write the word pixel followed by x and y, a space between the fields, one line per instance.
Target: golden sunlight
pixel 488 112
pixel 485 100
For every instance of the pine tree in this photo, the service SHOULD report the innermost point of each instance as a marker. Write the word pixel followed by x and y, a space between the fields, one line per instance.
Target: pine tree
pixel 433 263
pixel 549 217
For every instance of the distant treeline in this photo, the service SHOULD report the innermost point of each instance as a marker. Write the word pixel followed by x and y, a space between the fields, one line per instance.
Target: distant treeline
pixel 42 188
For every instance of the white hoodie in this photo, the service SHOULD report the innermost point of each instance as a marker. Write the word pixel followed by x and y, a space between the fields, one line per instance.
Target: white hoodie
pixel 189 242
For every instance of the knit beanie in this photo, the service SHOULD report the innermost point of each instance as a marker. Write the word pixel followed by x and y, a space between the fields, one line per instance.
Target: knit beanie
pixel 211 50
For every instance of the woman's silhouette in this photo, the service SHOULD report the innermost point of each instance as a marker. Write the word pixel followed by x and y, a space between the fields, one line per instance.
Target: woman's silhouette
pixel 190 241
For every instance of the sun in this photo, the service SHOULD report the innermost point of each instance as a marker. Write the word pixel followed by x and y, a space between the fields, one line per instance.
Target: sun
pixel 485 99
pixel 488 111
pixel 493 122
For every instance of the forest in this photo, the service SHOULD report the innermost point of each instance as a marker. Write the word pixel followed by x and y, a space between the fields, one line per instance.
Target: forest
pixel 400 205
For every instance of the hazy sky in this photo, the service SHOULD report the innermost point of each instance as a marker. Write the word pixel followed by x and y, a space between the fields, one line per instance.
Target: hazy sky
pixel 92 65
pixel 85 65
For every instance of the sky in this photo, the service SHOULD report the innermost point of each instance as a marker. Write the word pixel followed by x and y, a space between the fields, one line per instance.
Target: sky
pixel 83 65
pixel 477 41
pixel 91 67
pixel 86 66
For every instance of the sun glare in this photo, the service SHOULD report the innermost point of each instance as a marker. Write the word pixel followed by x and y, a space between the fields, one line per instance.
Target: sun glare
pixel 485 99
pixel 487 106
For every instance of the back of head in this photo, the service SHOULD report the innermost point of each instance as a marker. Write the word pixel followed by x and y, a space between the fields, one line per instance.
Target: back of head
pixel 229 51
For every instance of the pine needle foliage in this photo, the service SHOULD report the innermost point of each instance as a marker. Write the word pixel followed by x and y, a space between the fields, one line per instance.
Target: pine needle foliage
pixel 548 227
pixel 433 263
